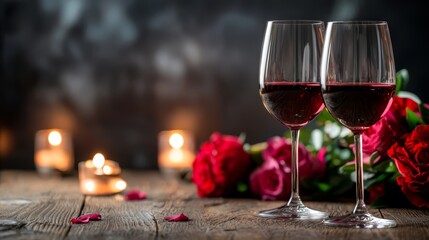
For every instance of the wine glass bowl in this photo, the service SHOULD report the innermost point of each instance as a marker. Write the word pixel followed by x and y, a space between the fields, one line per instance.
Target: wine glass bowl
pixel 289 86
pixel 358 84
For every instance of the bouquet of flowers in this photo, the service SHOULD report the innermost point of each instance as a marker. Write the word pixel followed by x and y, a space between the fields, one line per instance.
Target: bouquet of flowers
pixel 395 152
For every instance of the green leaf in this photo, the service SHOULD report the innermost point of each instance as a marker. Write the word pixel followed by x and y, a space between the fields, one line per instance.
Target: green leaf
pixel 402 79
pixel 324 187
pixel 255 152
pixel 347 169
pixel 425 113
pixel 413 119
pixel 377 180
pixel 304 136
pixel 374 156
pixel 392 168
pixel 242 187
pixel 256 149
pixel 381 166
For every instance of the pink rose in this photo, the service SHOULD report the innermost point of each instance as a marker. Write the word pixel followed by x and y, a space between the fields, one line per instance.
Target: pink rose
pixel 378 138
pixel 382 135
pixel 272 179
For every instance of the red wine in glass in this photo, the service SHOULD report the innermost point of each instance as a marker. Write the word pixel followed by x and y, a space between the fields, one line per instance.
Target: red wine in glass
pixel 358 106
pixel 290 89
pixel 292 103
pixel 358 82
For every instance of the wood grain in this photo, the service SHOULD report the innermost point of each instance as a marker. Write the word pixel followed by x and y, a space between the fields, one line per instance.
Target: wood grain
pixel 45 206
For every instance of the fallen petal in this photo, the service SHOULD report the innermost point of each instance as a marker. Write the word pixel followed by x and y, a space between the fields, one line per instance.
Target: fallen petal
pixel 177 218
pixel 80 220
pixel 135 195
pixel 86 218
pixel 92 216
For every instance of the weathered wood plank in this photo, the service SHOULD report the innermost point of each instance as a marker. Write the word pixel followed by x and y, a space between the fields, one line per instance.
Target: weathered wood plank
pixel 120 219
pixel 43 205
pixel 53 202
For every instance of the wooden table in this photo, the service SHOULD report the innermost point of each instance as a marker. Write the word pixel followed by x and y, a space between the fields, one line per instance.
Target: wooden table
pixel 45 205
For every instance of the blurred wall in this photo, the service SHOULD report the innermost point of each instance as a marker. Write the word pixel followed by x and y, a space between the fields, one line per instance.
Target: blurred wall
pixel 115 73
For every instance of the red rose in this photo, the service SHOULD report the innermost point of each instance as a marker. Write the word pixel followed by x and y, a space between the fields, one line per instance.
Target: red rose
pixel 411 156
pixel 398 111
pixel 376 192
pixel 272 179
pixel 380 136
pixel 219 165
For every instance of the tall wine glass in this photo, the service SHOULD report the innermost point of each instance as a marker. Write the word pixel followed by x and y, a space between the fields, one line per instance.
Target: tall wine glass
pixel 358 83
pixel 289 85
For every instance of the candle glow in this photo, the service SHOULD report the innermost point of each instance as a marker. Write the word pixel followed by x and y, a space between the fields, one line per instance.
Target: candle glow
pixel 100 176
pixel 175 151
pixel 53 151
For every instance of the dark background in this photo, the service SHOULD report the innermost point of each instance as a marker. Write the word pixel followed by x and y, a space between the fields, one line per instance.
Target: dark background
pixel 115 73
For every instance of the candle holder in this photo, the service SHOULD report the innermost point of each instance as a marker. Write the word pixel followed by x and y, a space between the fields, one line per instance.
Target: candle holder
pixel 53 151
pixel 100 177
pixel 176 152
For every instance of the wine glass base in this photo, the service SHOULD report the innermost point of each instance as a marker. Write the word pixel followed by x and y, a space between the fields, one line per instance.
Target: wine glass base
pixel 362 220
pixel 296 212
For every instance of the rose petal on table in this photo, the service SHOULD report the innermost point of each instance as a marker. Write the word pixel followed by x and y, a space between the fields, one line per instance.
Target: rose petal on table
pixel 86 218
pixel 177 218
pixel 92 216
pixel 80 220
pixel 135 195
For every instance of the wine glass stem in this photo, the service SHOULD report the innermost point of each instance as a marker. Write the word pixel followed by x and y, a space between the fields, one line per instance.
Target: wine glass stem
pixel 295 200
pixel 360 207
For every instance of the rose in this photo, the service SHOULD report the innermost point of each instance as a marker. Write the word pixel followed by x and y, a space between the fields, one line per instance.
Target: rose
pixel 411 156
pixel 219 165
pixel 272 179
pixel 376 192
pixel 380 136
pixel 396 116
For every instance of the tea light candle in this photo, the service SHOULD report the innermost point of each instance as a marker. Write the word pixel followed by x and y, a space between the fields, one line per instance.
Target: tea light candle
pixel 176 151
pixel 100 176
pixel 53 151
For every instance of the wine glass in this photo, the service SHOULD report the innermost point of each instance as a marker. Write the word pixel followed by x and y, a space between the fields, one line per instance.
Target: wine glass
pixel 289 85
pixel 358 84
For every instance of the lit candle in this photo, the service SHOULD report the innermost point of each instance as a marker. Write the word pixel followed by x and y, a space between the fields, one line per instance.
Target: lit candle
pixel 53 151
pixel 176 151
pixel 100 176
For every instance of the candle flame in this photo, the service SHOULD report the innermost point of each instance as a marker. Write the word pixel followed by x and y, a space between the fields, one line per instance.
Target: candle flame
pixel 176 140
pixel 54 138
pixel 98 160
pixel 121 185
